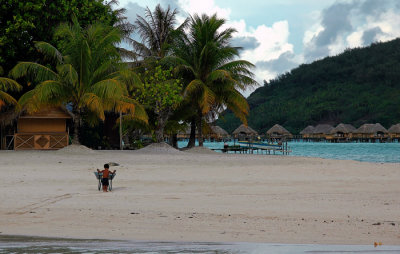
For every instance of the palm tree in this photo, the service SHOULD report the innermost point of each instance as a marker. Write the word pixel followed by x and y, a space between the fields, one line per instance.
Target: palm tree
pixel 216 76
pixel 88 75
pixel 156 31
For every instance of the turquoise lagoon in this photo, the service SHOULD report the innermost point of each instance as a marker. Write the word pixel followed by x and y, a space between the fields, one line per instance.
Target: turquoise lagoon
pixel 370 152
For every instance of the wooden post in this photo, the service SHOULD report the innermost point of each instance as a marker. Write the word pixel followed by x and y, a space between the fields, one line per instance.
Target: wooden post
pixel 120 131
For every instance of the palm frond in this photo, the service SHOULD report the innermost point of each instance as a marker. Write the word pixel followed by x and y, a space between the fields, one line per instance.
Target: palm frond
pixel 51 92
pixel 108 89
pixel 194 87
pixel 94 103
pixel 5 99
pixel 49 51
pixel 207 100
pixel 68 74
pixel 33 71
pixel 7 84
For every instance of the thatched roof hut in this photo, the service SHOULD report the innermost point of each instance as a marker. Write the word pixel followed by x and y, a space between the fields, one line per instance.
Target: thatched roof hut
pixel 370 128
pixel 308 130
pixel 278 131
pixel 184 133
pixel 395 129
pixel 343 128
pixel 217 130
pixel 45 129
pixel 245 131
pixel 323 129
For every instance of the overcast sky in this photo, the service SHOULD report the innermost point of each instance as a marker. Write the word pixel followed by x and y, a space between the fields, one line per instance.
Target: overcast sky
pixel 278 35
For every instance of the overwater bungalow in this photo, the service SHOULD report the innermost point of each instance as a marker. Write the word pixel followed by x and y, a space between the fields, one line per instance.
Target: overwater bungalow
pixel 394 131
pixel 342 132
pixel 321 131
pixel 307 132
pixel 185 134
pixel 278 132
pixel 244 132
pixel 43 130
pixel 216 132
pixel 371 131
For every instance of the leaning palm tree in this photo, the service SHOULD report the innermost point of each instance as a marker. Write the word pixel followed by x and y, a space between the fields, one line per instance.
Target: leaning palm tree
pixel 216 75
pixel 88 75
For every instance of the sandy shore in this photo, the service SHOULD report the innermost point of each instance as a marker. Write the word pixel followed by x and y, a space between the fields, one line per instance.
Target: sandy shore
pixel 187 196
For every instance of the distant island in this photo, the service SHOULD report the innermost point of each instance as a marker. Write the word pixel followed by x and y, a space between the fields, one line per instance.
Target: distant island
pixel 360 85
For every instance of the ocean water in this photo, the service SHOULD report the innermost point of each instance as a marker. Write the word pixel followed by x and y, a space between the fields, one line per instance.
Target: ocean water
pixel 14 244
pixel 370 152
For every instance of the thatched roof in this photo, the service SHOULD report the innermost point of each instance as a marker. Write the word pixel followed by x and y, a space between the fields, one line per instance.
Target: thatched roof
pixel 244 129
pixel 343 128
pixel 8 117
pixel 308 130
pixel 370 128
pixel 219 131
pixel 395 129
pixel 278 129
pixel 323 129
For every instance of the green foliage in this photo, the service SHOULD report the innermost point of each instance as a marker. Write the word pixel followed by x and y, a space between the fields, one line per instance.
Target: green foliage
pixel 7 84
pixel 358 86
pixel 207 60
pixel 161 91
pixel 89 74
pixel 161 95
pixel 24 22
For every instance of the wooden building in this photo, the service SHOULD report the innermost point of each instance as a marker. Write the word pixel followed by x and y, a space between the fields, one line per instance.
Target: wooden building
pixel 244 132
pixel 394 131
pixel 43 130
pixel 321 131
pixel 342 132
pixel 307 132
pixel 371 131
pixel 216 132
pixel 278 132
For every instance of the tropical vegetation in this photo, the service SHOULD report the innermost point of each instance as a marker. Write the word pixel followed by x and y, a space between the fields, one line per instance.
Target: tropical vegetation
pixel 88 75
pixel 207 60
pixel 179 74
pixel 359 86
pixel 24 22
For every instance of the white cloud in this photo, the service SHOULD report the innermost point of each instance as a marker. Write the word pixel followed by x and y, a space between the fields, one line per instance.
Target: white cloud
pixel 364 25
pixel 204 6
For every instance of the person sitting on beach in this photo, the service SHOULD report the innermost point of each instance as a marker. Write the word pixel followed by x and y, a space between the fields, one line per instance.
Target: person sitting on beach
pixel 106 173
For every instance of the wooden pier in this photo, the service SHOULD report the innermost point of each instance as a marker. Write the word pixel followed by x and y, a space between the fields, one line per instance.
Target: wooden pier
pixel 276 149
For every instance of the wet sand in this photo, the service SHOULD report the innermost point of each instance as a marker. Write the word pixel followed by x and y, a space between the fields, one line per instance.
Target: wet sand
pixel 201 197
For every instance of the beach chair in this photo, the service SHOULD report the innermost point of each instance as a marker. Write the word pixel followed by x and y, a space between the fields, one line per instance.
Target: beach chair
pixel 110 178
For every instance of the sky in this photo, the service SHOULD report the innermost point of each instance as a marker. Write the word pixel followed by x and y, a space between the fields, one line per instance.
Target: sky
pixel 279 35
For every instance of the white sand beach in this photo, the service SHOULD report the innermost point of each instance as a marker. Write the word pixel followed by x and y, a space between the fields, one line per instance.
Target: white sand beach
pixel 160 195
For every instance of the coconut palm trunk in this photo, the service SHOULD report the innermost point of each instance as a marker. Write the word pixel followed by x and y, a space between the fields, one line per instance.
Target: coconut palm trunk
pixel 200 128
pixel 77 120
pixel 192 138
